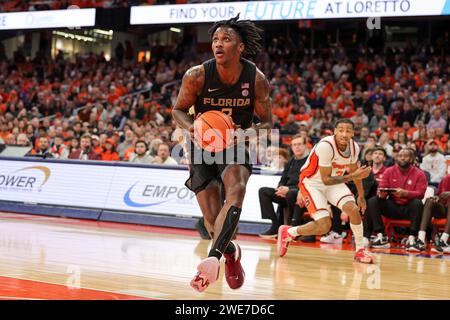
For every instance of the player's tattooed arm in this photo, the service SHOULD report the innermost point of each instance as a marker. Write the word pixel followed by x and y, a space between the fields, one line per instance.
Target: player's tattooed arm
pixel 328 180
pixel 263 105
pixel 191 87
pixel 356 174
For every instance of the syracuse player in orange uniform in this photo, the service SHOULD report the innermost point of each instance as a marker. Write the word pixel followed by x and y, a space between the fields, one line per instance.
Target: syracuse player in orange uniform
pixel 322 180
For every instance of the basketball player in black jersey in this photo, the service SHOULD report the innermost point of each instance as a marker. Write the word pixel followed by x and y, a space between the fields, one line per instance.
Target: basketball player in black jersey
pixel 235 86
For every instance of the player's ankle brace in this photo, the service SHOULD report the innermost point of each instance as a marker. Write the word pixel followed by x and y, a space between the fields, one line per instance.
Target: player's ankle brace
pixel 229 227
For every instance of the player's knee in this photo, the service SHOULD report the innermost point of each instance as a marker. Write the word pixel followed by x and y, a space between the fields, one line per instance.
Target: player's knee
pixel 351 209
pixel 235 194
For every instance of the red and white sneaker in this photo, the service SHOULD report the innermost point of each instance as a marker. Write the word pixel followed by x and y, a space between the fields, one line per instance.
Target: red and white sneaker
pixel 208 272
pixel 234 273
pixel 283 240
pixel 363 256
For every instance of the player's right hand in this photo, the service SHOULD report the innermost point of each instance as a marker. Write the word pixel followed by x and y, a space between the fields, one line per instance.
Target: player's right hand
pixel 361 173
pixel 300 200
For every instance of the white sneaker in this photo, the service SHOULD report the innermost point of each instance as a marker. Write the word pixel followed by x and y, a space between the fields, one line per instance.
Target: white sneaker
pixel 447 249
pixel 332 237
pixel 366 242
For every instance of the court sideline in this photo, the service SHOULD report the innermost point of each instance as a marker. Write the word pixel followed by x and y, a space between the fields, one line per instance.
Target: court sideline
pixel 56 258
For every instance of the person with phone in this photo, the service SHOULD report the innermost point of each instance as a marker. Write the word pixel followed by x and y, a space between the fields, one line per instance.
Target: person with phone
pixel 399 196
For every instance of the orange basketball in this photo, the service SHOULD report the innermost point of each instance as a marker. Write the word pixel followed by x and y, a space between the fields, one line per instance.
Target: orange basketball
pixel 213 131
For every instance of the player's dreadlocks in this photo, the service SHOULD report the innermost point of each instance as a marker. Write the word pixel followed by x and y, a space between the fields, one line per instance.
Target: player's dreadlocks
pixel 250 34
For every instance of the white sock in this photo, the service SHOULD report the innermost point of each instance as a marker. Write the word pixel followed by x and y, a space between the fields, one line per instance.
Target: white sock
pixel 293 232
pixel 412 240
pixel 358 233
pixel 380 236
pixel 422 236
pixel 444 237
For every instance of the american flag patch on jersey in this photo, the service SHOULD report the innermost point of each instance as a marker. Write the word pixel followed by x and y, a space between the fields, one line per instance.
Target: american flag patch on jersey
pixel 245 85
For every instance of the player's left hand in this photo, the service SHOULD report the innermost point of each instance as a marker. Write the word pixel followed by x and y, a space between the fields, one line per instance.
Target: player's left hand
pixel 362 204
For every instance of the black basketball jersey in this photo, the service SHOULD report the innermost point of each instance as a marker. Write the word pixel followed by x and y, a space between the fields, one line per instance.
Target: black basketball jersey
pixel 236 100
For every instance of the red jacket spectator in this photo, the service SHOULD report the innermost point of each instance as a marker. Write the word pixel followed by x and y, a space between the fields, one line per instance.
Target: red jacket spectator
pixel 444 186
pixel 91 155
pixel 413 180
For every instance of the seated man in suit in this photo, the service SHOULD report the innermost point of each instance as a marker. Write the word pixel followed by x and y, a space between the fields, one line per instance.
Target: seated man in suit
pixel 285 195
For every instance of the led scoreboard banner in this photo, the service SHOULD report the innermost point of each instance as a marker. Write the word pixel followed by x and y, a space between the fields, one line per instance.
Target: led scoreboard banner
pixel 70 18
pixel 286 10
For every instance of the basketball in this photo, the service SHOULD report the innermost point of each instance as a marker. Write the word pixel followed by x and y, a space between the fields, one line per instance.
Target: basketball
pixel 213 131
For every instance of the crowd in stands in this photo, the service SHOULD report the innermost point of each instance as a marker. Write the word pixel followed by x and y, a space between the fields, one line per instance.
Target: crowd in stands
pixel 395 100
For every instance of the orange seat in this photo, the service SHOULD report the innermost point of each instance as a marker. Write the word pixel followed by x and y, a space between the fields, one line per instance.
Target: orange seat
pixel 438 224
pixel 389 225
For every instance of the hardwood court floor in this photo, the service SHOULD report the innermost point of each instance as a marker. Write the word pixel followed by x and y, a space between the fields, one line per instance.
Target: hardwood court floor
pixel 55 258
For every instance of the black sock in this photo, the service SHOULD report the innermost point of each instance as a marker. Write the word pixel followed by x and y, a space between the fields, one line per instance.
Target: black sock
pixel 228 230
pixel 231 248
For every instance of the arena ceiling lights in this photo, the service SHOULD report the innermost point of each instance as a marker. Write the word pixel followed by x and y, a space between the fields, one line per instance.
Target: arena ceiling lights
pixel 286 10
pixel 71 18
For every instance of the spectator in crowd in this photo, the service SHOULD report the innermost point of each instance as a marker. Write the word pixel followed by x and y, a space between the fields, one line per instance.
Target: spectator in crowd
pixel 278 157
pixel 73 145
pixel 141 153
pixel 163 156
pixel 378 116
pixel 126 144
pixel 154 146
pixel 118 120
pixel 290 127
pixel 434 163
pixel 109 151
pixel 404 203
pixel 378 158
pixel 436 207
pixel 10 139
pixel 437 121
pixel 43 149
pixel 22 140
pixel 285 195
pixel 96 145
pixel 85 152
pixel 59 149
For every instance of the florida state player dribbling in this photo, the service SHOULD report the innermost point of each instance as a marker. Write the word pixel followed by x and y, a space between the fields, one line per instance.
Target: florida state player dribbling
pixel 322 180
